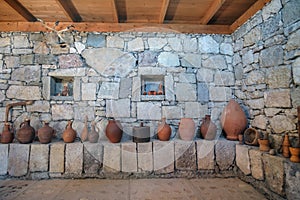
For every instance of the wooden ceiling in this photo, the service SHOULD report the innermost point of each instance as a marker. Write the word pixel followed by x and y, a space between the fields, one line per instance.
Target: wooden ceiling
pixel 186 16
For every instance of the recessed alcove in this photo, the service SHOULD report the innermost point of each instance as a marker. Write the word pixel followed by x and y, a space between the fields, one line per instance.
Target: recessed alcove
pixel 61 88
pixel 152 88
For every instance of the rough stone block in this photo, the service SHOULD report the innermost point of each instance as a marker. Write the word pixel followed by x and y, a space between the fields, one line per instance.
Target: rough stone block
pixel 169 88
pixel 279 77
pixel 145 157
pixel 274 171
pixel 96 40
pixel 203 93
pixel 88 91
pixel 92 157
pixel 256 164
pixel 18 159
pixel 129 157
pixel 242 159
pixel 163 155
pixel 292 180
pixel 185 92
pixel 63 111
pixel 24 92
pixel 215 62
pixel 280 98
pixel 81 111
pixel 168 59
pixel 112 157
pixel 195 110
pixel 185 155
pixel 172 112
pixel 191 60
pixel 225 153
pixel 39 158
pixel 220 93
pixel 3 159
pixel 125 88
pixel 136 89
pixel 109 90
pixel 206 154
pixel 118 108
pixel 57 158
pixel 136 44
pixel 148 111
pixel 74 158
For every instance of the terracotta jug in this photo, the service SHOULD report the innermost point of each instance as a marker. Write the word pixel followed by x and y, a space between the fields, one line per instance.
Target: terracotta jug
pixel 93 135
pixel 233 120
pixel 114 131
pixel 208 129
pixel 164 130
pixel 7 135
pixel 285 146
pixel 85 131
pixel 26 133
pixel 46 133
pixel 69 133
pixel 186 129
pixel 295 152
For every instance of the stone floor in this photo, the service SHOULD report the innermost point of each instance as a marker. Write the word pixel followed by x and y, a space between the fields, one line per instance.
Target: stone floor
pixel 88 189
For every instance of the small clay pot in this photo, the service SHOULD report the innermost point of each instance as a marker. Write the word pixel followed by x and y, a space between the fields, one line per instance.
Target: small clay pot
pixel 285 146
pixel 186 129
pixel 295 152
pixel 208 129
pixel 251 136
pixel 26 133
pixel 114 131
pixel 164 131
pixel 7 136
pixel 46 133
pixel 264 145
pixel 69 135
pixel 152 92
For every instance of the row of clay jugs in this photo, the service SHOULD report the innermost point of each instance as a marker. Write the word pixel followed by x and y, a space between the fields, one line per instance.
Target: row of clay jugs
pixel 69 134
pixel 208 129
pixel 114 131
pixel 186 129
pixel 7 135
pixel 233 120
pixel 46 133
pixel 164 130
pixel 26 133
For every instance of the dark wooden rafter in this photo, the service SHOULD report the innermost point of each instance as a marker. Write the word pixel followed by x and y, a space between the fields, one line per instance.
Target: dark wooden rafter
pixel 215 6
pixel 115 11
pixel 70 10
pixel 248 14
pixel 163 11
pixel 17 6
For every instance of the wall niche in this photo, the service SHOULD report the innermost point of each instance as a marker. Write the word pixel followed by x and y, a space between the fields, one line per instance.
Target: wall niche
pixel 152 87
pixel 61 88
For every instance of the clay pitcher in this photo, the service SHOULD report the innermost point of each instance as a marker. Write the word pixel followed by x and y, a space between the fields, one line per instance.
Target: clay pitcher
pixel 7 135
pixel 85 131
pixel 164 131
pixel 46 133
pixel 114 131
pixel 69 133
pixel 26 133
pixel 208 129
pixel 233 120
pixel 285 146
pixel 186 129
pixel 93 135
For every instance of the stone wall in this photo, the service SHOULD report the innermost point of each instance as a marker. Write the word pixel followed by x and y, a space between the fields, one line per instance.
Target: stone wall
pixel 266 64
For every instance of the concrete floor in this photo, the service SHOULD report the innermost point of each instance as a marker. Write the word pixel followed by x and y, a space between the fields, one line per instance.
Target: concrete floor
pixel 139 189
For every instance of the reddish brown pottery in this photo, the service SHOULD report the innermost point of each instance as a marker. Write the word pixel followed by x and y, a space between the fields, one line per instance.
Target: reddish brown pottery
pixel 164 131
pixel 295 152
pixel 69 134
pixel 114 131
pixel 46 133
pixel 233 120
pixel 85 131
pixel 7 135
pixel 186 129
pixel 208 129
pixel 26 133
pixel 285 146
pixel 93 135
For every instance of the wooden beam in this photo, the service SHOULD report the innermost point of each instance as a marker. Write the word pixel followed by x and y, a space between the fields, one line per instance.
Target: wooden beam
pixel 248 14
pixel 213 8
pixel 17 6
pixel 70 10
pixel 115 11
pixel 163 11
pixel 118 27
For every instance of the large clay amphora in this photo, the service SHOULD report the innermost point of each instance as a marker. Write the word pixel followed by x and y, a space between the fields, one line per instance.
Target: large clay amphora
pixel 7 135
pixel 69 133
pixel 26 133
pixel 164 130
pixel 46 133
pixel 208 129
pixel 114 131
pixel 233 120
pixel 186 129
pixel 93 135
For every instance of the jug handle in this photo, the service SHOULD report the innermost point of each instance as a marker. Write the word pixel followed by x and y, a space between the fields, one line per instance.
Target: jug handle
pixel 22 124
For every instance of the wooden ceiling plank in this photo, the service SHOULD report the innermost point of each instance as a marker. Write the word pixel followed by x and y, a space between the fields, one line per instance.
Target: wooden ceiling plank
pixel 248 14
pixel 115 11
pixel 119 27
pixel 215 6
pixel 17 6
pixel 70 10
pixel 163 11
